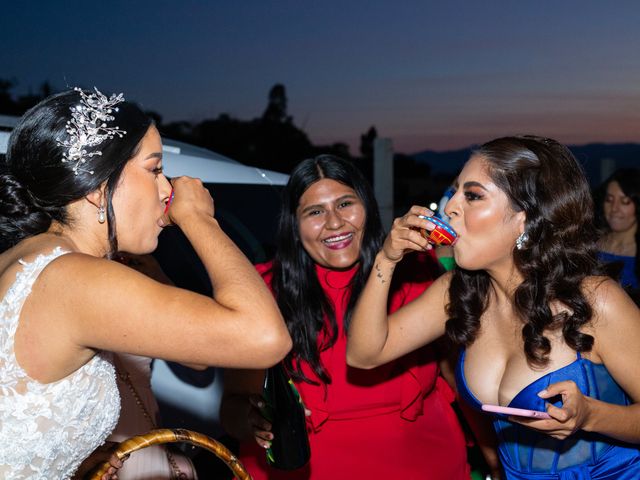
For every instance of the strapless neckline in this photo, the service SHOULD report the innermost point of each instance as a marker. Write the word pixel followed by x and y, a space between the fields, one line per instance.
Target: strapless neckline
pixel 527 454
pixel 525 390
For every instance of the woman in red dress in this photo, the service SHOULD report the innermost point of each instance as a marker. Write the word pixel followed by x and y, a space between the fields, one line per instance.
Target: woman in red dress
pixel 395 421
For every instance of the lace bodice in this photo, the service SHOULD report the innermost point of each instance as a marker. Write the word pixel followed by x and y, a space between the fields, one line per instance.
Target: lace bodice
pixel 46 430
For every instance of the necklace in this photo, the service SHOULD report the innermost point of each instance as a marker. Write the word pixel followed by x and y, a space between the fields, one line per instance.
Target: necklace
pixel 124 376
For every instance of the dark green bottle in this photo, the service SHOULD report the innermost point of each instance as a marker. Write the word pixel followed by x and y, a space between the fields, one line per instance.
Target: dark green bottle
pixel 284 409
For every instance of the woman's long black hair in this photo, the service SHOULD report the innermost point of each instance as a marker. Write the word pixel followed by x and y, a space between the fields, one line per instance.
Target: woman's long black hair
pixel 36 185
pixel 542 178
pixel 304 305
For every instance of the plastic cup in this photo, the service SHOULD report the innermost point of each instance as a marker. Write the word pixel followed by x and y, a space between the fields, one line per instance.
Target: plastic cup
pixel 443 234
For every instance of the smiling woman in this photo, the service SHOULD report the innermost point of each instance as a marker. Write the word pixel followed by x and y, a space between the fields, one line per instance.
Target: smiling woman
pixel 393 422
pixel 331 218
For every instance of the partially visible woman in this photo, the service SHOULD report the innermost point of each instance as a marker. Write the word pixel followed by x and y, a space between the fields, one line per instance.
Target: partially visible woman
pixel 82 180
pixel 393 422
pixel 621 210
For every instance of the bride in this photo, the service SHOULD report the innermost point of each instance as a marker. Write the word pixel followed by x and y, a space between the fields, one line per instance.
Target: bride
pixel 83 180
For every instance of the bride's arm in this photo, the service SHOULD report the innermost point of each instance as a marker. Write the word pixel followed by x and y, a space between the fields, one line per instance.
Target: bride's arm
pixel 81 304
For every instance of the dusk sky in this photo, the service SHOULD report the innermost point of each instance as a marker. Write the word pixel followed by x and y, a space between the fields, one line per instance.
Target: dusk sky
pixel 427 74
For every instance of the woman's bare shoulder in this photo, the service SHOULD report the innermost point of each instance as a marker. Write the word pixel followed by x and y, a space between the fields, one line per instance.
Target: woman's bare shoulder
pixel 69 269
pixel 601 291
pixel 613 309
pixel 25 252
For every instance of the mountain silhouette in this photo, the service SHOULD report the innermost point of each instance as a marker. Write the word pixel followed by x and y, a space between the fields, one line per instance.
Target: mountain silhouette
pixel 598 159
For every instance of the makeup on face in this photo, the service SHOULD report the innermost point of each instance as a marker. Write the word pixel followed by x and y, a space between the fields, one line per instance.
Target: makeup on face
pixel 331 220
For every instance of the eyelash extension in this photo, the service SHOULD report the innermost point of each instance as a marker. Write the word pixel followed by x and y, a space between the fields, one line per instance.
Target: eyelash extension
pixel 471 196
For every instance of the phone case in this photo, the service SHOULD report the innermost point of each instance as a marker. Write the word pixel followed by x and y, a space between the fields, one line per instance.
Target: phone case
pixel 519 412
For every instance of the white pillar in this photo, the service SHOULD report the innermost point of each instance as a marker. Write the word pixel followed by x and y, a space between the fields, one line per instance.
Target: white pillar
pixel 383 179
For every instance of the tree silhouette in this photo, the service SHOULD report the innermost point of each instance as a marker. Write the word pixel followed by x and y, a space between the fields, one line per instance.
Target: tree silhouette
pixel 276 111
pixel 366 142
pixel 19 105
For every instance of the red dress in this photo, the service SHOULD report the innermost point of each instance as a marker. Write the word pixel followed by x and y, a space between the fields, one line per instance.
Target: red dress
pixel 392 422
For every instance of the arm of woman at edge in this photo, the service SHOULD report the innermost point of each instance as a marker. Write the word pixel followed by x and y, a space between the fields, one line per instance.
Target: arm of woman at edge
pixel 376 338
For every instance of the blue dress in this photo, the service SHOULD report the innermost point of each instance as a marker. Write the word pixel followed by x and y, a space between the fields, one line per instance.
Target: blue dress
pixel 529 455
pixel 628 277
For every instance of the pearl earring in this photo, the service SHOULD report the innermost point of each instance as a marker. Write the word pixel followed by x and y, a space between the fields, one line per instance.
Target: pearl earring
pixel 101 217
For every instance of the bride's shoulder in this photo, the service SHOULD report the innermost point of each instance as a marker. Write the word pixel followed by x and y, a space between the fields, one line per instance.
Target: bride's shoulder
pixel 40 250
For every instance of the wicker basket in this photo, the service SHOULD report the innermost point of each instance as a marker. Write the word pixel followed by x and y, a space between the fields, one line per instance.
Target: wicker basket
pixel 155 437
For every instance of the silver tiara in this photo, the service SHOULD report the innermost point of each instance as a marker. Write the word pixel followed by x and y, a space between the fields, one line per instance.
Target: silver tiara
pixel 88 127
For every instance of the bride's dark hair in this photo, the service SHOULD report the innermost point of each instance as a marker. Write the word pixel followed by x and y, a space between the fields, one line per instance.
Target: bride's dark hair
pixel 541 178
pixel 36 185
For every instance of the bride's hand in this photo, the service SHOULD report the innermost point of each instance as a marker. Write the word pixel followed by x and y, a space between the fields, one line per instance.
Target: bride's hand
pixel 406 234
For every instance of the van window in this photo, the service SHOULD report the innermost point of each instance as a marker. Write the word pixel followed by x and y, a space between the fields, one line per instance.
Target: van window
pixel 247 213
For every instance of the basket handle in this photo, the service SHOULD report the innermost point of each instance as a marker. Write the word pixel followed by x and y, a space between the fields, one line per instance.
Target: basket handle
pixel 165 435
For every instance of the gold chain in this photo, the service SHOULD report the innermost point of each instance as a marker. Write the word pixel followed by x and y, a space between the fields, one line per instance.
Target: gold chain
pixel 123 375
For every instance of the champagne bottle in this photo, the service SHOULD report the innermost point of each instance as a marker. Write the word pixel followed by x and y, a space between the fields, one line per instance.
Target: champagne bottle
pixel 284 410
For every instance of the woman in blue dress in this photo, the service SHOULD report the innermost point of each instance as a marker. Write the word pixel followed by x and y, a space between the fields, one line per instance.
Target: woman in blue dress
pixel 620 209
pixel 540 327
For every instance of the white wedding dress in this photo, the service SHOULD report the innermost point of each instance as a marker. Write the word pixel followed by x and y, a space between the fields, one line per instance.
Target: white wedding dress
pixel 47 430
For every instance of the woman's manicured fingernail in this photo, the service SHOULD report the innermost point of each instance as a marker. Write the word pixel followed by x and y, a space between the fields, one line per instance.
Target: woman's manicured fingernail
pixel 542 393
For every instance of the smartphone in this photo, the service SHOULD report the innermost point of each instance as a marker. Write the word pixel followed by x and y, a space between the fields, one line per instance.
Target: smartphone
pixel 518 412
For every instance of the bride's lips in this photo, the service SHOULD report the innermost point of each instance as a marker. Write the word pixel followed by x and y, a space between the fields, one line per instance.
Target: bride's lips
pixel 336 242
pixel 168 204
pixel 164 220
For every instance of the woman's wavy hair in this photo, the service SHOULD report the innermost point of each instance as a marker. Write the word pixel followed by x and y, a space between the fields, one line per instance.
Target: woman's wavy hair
pixel 629 181
pixel 304 305
pixel 543 179
pixel 36 185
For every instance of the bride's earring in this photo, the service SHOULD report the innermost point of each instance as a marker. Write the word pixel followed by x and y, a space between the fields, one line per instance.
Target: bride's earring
pixel 101 217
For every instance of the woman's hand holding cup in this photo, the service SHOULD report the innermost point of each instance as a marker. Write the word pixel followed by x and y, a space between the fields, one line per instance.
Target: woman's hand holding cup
pixel 188 197
pixel 405 235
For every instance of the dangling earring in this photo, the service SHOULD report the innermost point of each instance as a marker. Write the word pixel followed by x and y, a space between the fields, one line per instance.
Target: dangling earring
pixel 521 240
pixel 101 214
